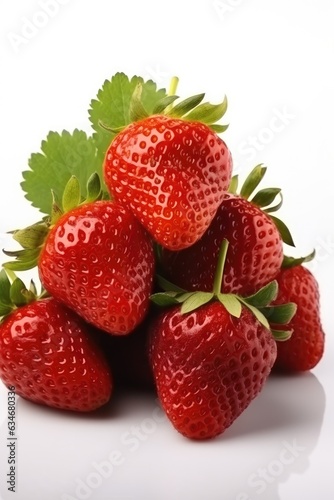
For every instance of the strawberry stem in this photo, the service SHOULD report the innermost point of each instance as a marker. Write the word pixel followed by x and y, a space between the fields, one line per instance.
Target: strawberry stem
pixel 172 91
pixel 173 85
pixel 217 283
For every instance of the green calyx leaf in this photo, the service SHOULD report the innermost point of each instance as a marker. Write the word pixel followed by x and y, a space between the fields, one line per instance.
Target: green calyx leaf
pixel 252 181
pixel 122 101
pixel 257 313
pixel 14 294
pixel 32 237
pixel 233 187
pixel 258 303
pixel 209 114
pixel 185 106
pixel 72 194
pixel 164 299
pixel 297 261
pixel 280 314
pixel 263 198
pixel 266 197
pixel 137 111
pixel 163 104
pixel 264 296
pixel 195 300
pixel 281 335
pixel 231 303
pixel 167 286
pixel 283 230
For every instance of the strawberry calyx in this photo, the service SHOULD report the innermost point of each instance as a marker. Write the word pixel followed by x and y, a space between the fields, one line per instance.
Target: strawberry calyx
pixel 269 200
pixel 190 109
pixel 259 303
pixel 32 238
pixel 289 261
pixel 15 294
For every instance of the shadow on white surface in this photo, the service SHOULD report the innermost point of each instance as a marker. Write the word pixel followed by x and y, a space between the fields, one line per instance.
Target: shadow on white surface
pixel 129 451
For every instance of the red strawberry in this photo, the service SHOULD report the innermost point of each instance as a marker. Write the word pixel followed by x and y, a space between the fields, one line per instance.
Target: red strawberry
pixel 98 260
pixel 209 366
pixel 254 258
pixel 256 247
pixel 49 356
pixel 305 348
pixel 209 363
pixel 172 174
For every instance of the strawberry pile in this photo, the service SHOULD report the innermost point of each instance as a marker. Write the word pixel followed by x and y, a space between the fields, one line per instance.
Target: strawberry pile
pixel 156 269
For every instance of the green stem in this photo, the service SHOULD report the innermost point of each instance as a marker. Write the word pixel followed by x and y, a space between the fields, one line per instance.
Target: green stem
pixel 172 91
pixel 173 85
pixel 217 284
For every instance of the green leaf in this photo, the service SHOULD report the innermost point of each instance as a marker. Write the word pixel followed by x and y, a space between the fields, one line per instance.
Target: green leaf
pixel 231 303
pixel 5 309
pixel 264 296
pixel 275 208
pixel 56 210
pixel 93 188
pixel 233 188
pixel 32 288
pixel 31 236
pixel 252 181
pixel 25 254
pixel 112 106
pixel 4 288
pixel 282 335
pixel 72 194
pixel 17 292
pixel 293 261
pixel 164 299
pixel 283 230
pixel 167 285
pixel 161 106
pixel 280 314
pixel 257 313
pixel 208 113
pixel 19 265
pixel 196 300
pixel 265 197
pixel 62 155
pixel 219 129
pixel 186 105
pixel 137 111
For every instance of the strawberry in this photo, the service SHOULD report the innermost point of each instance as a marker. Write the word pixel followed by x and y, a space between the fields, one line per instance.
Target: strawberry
pixel 305 348
pixel 48 354
pixel 171 172
pixel 95 258
pixel 98 260
pixel 256 247
pixel 211 356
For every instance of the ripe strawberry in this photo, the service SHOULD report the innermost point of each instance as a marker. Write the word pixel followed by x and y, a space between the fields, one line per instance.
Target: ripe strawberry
pixel 210 359
pixel 208 367
pixel 172 174
pixel 305 348
pixel 93 256
pixel 98 260
pixel 255 253
pixel 49 356
pixel 255 256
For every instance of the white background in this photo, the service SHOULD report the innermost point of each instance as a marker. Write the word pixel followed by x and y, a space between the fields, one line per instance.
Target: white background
pixel 273 59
